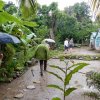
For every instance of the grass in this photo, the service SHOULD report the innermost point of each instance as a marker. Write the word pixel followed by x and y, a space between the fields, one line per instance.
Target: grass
pixel 55 53
pixel 93 95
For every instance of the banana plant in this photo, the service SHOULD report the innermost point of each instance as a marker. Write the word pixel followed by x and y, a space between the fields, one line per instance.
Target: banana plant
pixel 6 17
pixel 1 5
pixel 68 72
pixel 13 24
pixel 28 8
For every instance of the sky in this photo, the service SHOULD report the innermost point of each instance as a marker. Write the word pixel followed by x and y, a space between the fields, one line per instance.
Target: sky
pixel 61 3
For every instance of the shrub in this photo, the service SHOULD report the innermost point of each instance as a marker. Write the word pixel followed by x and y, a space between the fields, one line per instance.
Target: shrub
pixel 9 53
pixel 93 79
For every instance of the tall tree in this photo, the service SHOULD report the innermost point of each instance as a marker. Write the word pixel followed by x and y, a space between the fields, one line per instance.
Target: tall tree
pixel 47 16
pixel 79 11
pixel 66 26
pixel 84 24
pixel 54 9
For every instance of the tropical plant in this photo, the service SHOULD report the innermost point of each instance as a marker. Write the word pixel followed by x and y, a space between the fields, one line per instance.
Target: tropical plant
pixel 7 17
pixel 68 72
pixel 28 8
pixel 10 8
pixel 9 52
pixel 11 22
pixel 93 79
pixel 7 66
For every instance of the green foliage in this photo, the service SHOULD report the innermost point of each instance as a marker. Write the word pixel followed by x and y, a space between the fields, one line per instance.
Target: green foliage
pixel 42 31
pixel 10 68
pixel 84 24
pixel 2 72
pixel 66 26
pixel 69 90
pixel 93 79
pixel 58 68
pixel 5 17
pixel 93 95
pixel 38 40
pixel 55 75
pixel 75 70
pixel 56 98
pixel 29 10
pixel 20 58
pixel 68 75
pixel 55 53
pixel 8 64
pixel 1 5
pixel 74 22
pixel 9 53
pixel 56 86
pixel 77 56
pixel 10 8
pixel 30 24
pixel 14 62
pixel 45 20
pixel 12 23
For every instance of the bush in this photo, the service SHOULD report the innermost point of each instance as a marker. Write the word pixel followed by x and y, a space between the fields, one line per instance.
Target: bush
pixel 93 79
pixel 14 64
pixel 38 40
pixel 9 53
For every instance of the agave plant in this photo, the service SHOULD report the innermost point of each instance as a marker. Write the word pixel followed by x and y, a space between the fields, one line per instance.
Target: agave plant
pixel 68 75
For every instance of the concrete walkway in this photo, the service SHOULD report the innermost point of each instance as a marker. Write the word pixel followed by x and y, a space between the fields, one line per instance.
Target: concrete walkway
pixel 84 51
pixel 41 91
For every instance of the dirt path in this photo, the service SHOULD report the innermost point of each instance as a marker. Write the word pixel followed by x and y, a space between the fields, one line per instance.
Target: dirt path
pixel 41 91
pixel 84 51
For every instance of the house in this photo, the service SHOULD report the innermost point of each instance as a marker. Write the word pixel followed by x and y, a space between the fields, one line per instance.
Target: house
pixel 95 40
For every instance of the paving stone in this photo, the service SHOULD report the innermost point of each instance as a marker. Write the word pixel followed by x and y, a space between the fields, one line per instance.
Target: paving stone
pixel 31 87
pixel 19 95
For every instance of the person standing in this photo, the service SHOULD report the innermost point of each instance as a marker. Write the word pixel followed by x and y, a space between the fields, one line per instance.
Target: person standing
pixel 66 44
pixel 42 54
pixel 71 44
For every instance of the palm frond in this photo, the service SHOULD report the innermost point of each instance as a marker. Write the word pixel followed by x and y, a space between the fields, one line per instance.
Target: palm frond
pixel 28 7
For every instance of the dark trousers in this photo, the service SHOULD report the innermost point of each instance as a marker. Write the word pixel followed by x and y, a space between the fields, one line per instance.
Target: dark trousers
pixel 43 63
pixel 66 48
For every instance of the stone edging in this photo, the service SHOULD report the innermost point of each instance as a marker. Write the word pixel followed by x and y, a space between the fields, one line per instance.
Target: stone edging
pixel 78 57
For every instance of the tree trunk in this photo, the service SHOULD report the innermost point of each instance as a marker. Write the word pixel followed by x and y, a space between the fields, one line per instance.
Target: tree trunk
pixel 51 34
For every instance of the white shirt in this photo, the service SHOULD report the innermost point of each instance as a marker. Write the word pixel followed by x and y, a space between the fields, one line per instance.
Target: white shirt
pixel 66 43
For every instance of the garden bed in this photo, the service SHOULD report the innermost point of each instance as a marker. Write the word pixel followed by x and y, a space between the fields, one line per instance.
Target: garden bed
pixel 78 57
